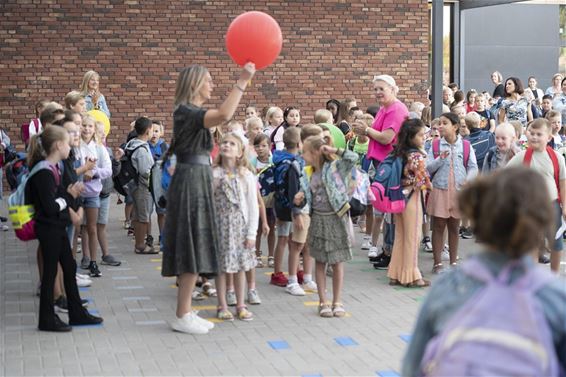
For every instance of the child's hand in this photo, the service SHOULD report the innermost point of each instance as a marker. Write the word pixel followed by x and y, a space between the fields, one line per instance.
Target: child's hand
pixel 75 189
pixel 265 228
pixel 299 197
pixel 88 176
pixel 444 154
pixel 298 222
pixel 359 128
pixel 249 244
pixel 119 153
pixel 327 149
pixel 90 164
pixel 248 72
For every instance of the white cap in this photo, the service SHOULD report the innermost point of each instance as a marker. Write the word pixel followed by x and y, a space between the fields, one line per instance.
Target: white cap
pixel 385 78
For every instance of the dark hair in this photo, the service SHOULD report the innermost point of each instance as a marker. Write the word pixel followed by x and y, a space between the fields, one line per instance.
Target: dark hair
pixel 469 94
pixel 49 114
pixel 519 88
pixel 547 96
pixel 409 128
pixel 286 113
pixel 562 82
pixel 142 125
pixel 458 96
pixel 373 110
pixel 259 138
pixel 500 214
pixel 343 110
pixel 453 85
pixel 453 118
pixel 41 144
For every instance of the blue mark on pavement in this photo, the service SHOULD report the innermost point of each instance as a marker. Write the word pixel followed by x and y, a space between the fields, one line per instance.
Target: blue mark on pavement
pixel 387 373
pixel 345 341
pixel 406 338
pixel 279 344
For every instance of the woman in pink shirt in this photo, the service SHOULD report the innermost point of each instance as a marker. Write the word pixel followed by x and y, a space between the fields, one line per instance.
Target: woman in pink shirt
pixel 382 137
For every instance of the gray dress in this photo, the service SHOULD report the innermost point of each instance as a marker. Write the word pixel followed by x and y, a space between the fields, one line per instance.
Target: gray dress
pixel 190 239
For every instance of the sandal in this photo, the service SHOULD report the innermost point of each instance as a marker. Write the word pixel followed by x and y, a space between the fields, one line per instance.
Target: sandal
pixel 198 296
pixel 325 311
pixel 208 290
pixel 437 268
pixel 270 262
pixel 145 251
pixel 394 282
pixel 244 314
pixel 421 283
pixel 338 310
pixel 224 315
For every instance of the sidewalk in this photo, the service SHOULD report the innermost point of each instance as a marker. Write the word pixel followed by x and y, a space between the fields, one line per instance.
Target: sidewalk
pixel 285 338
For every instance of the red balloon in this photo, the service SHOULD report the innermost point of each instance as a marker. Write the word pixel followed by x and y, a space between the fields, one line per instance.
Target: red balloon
pixel 254 37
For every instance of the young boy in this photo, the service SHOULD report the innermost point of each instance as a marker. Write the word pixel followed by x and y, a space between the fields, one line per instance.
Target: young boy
pixel 481 140
pixel 503 151
pixel 142 162
pixel 546 105
pixel 287 185
pixel 555 119
pixel 487 121
pixel 538 135
pixel 158 148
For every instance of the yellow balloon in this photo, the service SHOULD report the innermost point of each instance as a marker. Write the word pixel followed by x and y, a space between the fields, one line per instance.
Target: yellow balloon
pixel 100 116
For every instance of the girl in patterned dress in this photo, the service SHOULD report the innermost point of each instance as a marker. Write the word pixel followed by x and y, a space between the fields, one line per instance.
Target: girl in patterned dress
pixel 237 214
pixel 404 268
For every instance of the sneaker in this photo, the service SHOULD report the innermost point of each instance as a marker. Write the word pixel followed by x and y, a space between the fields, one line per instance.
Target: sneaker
pixel 253 297
pixel 85 263
pixel 83 282
pixel 149 240
pixel 198 295
pixel 367 237
pixel 259 263
pixel 109 260
pixel 130 232
pixel 279 279
pixel 189 325
pixel 295 289
pixel 57 326
pixel 127 225
pixel 270 262
pixel 378 257
pixel 231 298
pixel 84 302
pixel 300 277
pixel 4 227
pixel 310 286
pixel 467 234
pixel 445 256
pixel 372 253
pixel 426 244
pixel 208 290
pixel 94 271
pixel 382 264
pixel 61 305
pixel 366 245
pixel 461 230
pixel 3 219
pixel 544 259
pixel 83 276
pixel 205 323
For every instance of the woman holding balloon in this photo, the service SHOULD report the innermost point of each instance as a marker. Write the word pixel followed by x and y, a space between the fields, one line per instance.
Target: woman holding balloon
pixel 90 90
pixel 190 235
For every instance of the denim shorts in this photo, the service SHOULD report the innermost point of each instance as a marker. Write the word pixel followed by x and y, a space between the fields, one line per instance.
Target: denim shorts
pixel 129 200
pixel 557 244
pixel 103 211
pixel 284 228
pixel 91 202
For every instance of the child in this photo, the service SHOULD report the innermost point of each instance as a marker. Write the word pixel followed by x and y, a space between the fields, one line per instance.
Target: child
pixel 520 137
pixel 91 150
pixel 404 269
pixel 291 118
pixel 35 125
pixel 50 201
pixel 142 162
pixel 158 148
pixel 251 111
pixel 359 143
pixel 504 149
pixel 274 119
pixel 330 228
pixel 260 163
pixel 546 105
pixel 481 140
pixel 487 120
pixel 286 186
pixel 555 119
pixel 509 227
pixel 323 117
pixel 235 200
pixel 550 165
pixel 75 101
pixel 433 134
pixel 449 171
pixel 254 127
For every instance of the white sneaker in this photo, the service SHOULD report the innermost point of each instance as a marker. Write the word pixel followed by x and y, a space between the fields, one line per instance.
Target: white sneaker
pixel 83 282
pixel 4 227
pixel 253 297
pixel 445 255
pixel 310 286
pixel 373 252
pixel 83 276
pixel 207 324
pixel 295 289
pixel 189 324
pixel 231 298
pixel 366 245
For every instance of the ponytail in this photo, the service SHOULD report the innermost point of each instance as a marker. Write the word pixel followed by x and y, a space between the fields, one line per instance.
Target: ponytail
pixel 41 145
pixel 35 151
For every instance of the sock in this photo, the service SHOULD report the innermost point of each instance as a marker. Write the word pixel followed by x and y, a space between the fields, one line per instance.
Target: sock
pixel 293 279
pixel 307 278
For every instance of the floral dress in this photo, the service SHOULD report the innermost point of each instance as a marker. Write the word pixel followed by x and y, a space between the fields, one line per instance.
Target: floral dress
pixel 516 110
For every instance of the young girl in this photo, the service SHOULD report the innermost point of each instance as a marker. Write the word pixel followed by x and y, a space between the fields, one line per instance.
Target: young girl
pixel 50 201
pixel 251 111
pixel 291 118
pixel 510 228
pixel 504 150
pixel 254 127
pixel 329 232
pixel 91 150
pixel 235 201
pixel 274 119
pixel 91 92
pixel 35 125
pixel 449 172
pixel 404 269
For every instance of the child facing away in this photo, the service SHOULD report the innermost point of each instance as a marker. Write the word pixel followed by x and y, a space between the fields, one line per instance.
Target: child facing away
pixel 504 150
pixel 50 201
pixel 450 166
pixel 329 237
pixel 236 204
pixel 550 164
pixel 483 306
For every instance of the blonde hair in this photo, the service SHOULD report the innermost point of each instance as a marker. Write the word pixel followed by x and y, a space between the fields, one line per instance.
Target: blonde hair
pixel 242 163
pixel 89 118
pixel 315 143
pixel 310 130
pixel 253 120
pixel 323 116
pixel 472 120
pixel 86 78
pixel 98 125
pixel 72 98
pixel 189 83
pixel 272 110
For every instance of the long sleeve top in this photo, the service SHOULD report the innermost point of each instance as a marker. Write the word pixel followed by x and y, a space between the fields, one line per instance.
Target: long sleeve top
pixel 439 168
pixel 102 170
pixel 100 105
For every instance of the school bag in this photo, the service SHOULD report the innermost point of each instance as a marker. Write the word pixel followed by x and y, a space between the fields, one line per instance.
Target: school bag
pixel 24 130
pixel 15 170
pixel 280 172
pixel 127 172
pixel 481 142
pixel 386 187
pixel 529 156
pixel 362 193
pixel 500 331
pixel 465 143
pixel 22 214
pixel 266 179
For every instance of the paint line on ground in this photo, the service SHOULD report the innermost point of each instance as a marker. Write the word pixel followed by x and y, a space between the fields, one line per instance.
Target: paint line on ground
pixel 311 375
pixel 151 323
pixel 405 337
pixel 278 345
pixel 345 341
pixel 87 326
pixel 83 289
pixel 158 268
pixel 124 277
pixel 19 314
pixel 126 287
pixel 204 307
pixel 156 260
pixel 119 269
pixel 310 303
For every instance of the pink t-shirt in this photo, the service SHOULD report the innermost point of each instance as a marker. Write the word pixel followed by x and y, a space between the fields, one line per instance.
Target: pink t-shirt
pixel 392 117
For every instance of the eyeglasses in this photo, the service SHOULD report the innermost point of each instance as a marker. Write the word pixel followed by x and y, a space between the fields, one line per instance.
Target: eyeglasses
pixel 74 132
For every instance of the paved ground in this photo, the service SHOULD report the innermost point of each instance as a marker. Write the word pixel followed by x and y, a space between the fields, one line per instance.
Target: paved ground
pixel 286 337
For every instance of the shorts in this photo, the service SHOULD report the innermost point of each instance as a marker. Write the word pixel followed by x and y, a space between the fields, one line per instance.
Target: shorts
pixel 143 204
pixel 103 211
pixel 128 200
pixel 300 235
pixel 284 228
pixel 557 244
pixel 91 202
pixel 159 210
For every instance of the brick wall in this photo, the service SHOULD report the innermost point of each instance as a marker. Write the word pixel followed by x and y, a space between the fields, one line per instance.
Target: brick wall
pixel 331 49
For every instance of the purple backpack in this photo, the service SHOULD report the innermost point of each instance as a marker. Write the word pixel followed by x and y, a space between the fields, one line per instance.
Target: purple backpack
pixel 501 331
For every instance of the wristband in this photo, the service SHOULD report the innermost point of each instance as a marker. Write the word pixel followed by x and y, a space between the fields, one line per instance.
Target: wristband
pixel 240 89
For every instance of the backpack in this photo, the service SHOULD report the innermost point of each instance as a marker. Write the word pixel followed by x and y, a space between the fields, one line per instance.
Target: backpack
pixel 15 170
pixel 266 180
pixel 127 172
pixel 360 198
pixel 24 130
pixel 500 331
pixel 387 188
pixel 280 172
pixel 482 142
pixel 529 156
pixel 466 144
pixel 21 214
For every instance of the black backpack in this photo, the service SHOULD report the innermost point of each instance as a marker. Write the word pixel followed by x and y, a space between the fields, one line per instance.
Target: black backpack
pixel 127 172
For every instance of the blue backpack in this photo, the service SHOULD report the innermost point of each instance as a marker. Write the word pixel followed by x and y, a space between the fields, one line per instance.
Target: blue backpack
pixel 280 172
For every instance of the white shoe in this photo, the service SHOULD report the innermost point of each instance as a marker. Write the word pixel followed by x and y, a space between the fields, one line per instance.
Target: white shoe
pixel 189 324
pixel 207 324
pixel 445 255
pixel 295 289
pixel 82 276
pixel 366 245
pixel 310 286
pixel 373 252
pixel 366 237
pixel 4 227
pixel 83 282
pixel 231 298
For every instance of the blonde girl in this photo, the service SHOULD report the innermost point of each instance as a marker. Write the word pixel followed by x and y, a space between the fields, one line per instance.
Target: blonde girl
pixel 330 229
pixel 90 150
pixel 274 119
pixel 237 214
pixel 91 92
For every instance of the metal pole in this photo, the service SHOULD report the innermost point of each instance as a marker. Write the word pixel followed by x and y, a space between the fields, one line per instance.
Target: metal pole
pixel 437 22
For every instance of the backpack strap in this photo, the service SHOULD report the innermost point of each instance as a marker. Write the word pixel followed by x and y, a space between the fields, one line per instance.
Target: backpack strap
pixel 477 270
pixel 534 279
pixel 528 157
pixel 436 147
pixel 466 146
pixel 556 167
